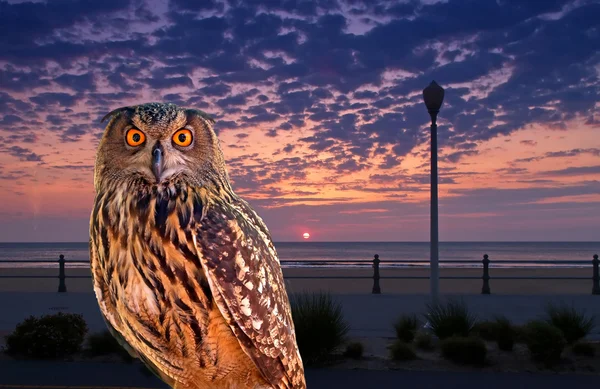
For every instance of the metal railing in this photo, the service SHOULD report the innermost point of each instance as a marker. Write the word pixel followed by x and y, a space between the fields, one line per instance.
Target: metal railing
pixel 376 276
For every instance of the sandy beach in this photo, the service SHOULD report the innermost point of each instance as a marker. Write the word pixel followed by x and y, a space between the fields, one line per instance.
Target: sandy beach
pixel 353 286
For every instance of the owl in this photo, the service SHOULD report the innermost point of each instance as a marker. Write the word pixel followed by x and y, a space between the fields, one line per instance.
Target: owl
pixel 184 271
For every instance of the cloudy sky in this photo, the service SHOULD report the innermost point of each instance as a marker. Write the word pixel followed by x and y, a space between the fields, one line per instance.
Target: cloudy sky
pixel 319 110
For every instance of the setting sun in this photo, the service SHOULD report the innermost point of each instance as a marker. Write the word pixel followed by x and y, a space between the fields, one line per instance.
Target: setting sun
pixel 306 235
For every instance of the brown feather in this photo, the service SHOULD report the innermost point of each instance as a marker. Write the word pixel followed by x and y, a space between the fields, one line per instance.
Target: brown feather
pixel 238 256
pixel 184 312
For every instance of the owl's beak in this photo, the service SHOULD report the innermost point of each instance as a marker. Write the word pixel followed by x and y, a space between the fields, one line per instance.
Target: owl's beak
pixel 157 159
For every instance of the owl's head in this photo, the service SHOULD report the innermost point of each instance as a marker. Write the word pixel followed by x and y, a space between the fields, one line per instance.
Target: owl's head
pixel 158 142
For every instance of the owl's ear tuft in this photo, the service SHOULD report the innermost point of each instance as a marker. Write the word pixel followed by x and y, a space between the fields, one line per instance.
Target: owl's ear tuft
pixel 200 113
pixel 115 112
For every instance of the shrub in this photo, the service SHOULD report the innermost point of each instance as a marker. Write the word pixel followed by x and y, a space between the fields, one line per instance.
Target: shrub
pixel 354 350
pixel 103 343
pixel 320 326
pixel 47 337
pixel 545 342
pixel 505 334
pixel 499 330
pixel 464 350
pixel 406 327
pixel 424 341
pixel 520 333
pixel 485 329
pixel 450 319
pixel 573 324
pixel 400 351
pixel 584 349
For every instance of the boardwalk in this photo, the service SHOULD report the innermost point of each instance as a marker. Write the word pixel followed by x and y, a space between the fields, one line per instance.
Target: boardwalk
pixel 368 315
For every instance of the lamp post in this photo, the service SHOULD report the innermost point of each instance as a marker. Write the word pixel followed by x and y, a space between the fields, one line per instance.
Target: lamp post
pixel 433 96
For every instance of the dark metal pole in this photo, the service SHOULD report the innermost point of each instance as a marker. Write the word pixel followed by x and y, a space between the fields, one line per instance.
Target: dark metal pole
pixel 376 287
pixel 62 287
pixel 433 96
pixel 486 275
pixel 596 276
pixel 434 249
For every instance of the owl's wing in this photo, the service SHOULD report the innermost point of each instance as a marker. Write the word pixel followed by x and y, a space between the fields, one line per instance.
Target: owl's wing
pixel 243 271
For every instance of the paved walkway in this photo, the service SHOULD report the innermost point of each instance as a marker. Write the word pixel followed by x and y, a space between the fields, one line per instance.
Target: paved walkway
pixel 368 315
pixel 93 375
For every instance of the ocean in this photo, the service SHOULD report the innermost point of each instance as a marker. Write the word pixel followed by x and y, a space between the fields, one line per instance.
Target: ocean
pixel 301 254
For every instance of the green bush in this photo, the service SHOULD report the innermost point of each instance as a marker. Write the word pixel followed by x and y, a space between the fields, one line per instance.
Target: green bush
pixel 464 350
pixel 320 326
pixel 103 343
pixel 584 349
pixel 424 341
pixel 48 336
pixel 486 330
pixel 505 334
pixel 545 342
pixel 573 324
pixel 354 350
pixel 406 327
pixel 450 319
pixel 401 351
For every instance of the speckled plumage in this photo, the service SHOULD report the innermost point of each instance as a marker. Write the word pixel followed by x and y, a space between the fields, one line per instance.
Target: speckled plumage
pixel 185 272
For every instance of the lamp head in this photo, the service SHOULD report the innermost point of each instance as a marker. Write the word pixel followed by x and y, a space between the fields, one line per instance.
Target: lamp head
pixel 433 96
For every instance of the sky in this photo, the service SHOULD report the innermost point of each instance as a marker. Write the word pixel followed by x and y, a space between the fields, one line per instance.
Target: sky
pixel 319 109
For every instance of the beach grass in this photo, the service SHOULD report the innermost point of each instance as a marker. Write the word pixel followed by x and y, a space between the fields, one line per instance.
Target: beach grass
pixel 574 324
pixel 320 326
pixel 452 318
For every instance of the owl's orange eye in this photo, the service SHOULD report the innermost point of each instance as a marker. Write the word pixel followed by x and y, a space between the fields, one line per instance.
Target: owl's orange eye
pixel 183 137
pixel 135 137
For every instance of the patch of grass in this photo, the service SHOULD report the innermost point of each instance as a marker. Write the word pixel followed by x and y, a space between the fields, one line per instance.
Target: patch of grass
pixel 320 326
pixel 47 337
pixel 584 349
pixel 401 351
pixel 103 343
pixel 424 341
pixel 406 327
pixel 450 319
pixel 505 334
pixel 354 350
pixel 573 324
pixel 545 342
pixel 464 350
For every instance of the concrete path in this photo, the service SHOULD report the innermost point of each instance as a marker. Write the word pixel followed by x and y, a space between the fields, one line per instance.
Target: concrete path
pixel 368 315
pixel 29 375
pixel 91 375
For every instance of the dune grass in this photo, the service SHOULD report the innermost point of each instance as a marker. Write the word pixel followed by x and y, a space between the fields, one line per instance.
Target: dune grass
pixel 320 326
pixel 452 318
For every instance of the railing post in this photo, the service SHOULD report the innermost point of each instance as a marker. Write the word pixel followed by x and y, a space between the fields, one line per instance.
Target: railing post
pixel 486 275
pixel 62 287
pixel 596 276
pixel 376 287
